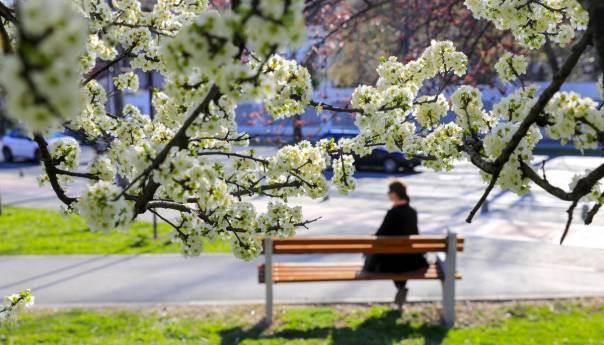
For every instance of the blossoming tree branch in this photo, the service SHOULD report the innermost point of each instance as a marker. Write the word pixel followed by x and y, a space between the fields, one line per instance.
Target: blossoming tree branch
pixel 211 61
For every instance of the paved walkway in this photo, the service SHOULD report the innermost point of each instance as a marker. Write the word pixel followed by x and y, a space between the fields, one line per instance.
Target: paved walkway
pixel 492 269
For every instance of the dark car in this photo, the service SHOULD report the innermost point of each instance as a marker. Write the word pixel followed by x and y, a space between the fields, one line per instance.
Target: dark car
pixel 379 158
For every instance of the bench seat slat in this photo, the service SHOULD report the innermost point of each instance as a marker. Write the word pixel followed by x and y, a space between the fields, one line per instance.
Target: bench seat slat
pixel 364 244
pixel 365 238
pixel 289 273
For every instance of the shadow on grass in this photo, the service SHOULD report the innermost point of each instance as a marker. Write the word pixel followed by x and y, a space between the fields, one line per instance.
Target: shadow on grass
pixel 378 330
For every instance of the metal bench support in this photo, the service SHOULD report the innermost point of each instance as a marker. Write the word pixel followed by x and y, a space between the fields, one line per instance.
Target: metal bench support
pixel 268 278
pixel 449 282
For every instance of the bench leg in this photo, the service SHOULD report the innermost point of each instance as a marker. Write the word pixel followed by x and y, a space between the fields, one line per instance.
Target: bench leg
pixel 449 282
pixel 268 279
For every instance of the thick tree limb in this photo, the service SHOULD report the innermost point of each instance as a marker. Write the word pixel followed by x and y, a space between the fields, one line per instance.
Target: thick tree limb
pixel 7 13
pixel 547 94
pixel 6 46
pixel 596 20
pixel 590 215
pixel 51 170
pixel 179 140
pixel 533 116
pixel 552 59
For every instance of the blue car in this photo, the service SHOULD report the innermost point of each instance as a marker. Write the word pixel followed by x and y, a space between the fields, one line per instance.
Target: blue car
pixel 379 159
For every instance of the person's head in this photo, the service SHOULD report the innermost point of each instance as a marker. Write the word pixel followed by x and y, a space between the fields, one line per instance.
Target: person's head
pixel 397 192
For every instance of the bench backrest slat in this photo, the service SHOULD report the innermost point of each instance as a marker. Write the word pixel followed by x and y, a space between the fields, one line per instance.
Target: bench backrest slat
pixel 364 244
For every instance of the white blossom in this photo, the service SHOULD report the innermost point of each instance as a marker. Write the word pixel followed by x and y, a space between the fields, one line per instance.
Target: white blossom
pixel 43 86
pixel 466 102
pixel 430 110
pixel 532 21
pixel 510 66
pixel 15 303
pixel 292 87
pixel 594 195
pixel 102 207
pixel 126 81
pixel 575 118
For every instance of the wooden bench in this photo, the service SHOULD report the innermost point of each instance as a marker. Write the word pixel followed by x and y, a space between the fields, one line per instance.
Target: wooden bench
pixel 443 270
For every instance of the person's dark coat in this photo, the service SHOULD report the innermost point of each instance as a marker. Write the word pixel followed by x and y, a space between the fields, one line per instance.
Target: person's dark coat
pixel 399 221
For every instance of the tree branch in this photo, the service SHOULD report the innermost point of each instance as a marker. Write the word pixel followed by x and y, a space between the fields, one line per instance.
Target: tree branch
pixel 179 140
pixel 591 214
pixel 107 66
pixel 51 170
pixel 532 117
pixel 570 212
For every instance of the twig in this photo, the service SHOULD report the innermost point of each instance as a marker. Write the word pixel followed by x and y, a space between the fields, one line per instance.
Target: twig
pixel 483 198
pixel 570 212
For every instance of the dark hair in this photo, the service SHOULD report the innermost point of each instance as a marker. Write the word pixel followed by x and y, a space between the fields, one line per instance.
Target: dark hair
pixel 398 188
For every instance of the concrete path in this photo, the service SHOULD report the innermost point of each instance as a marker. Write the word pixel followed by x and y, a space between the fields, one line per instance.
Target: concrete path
pixel 492 269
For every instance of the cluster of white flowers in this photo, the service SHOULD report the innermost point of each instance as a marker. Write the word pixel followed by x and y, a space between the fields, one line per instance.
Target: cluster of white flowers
pixel 466 102
pixel 103 209
pixel 291 89
pixel 386 109
pixel 124 24
pixel 271 23
pixel 184 177
pixel 532 21
pixel 246 246
pixel 511 176
pixel 94 120
pixel 429 110
pixel 103 168
pixel 594 195
pixel 443 145
pixel 303 163
pixel 138 139
pixel 193 54
pixel 42 81
pixel 203 47
pixel 399 83
pixel 510 66
pixel 439 58
pixel 191 234
pixel 126 81
pixel 280 220
pixel 14 303
pixel 209 49
pixel 515 106
pixel 65 154
pixel 343 170
pixel 575 118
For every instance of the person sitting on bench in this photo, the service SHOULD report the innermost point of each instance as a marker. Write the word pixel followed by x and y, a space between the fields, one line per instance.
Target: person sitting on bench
pixel 401 220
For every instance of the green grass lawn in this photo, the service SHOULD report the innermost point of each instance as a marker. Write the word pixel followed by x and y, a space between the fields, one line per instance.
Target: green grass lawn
pixel 508 324
pixel 49 232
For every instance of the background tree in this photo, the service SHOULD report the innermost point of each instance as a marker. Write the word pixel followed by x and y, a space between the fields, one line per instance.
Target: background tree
pixel 353 33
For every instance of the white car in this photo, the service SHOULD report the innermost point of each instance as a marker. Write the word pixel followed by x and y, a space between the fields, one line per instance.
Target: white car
pixel 15 144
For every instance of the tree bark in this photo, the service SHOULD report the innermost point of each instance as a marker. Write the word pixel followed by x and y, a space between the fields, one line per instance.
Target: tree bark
pixel 596 20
